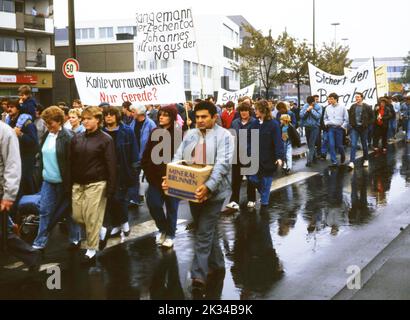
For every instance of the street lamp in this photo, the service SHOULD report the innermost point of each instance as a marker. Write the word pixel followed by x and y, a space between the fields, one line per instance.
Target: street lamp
pixel 344 40
pixel 335 24
pixel 314 31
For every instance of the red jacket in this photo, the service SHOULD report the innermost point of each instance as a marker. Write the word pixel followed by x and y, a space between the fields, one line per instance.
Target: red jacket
pixel 227 119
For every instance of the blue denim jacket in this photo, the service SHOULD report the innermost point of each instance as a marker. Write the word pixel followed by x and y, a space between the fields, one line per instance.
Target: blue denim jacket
pixel 146 129
pixel 310 119
pixel 219 153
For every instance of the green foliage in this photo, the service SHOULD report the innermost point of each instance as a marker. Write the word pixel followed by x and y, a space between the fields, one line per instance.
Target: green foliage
pixel 333 60
pixel 406 71
pixel 285 59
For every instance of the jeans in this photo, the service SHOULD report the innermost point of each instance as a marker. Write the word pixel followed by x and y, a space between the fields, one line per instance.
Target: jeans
pixel 263 184
pixel 134 191
pixel 311 136
pixel 325 143
pixel 408 129
pixel 336 143
pixel 392 128
pixel 236 185
pixel 288 153
pixel 354 135
pixel 166 223
pixel 207 251
pixel 53 198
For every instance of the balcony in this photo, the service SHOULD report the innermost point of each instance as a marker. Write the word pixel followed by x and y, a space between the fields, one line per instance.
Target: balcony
pixel 7 20
pixel 40 62
pixel 8 60
pixel 38 23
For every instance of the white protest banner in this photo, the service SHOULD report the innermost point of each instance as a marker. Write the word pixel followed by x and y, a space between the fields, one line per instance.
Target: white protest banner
pixel 381 79
pixel 160 86
pixel 224 96
pixel 161 35
pixel 359 80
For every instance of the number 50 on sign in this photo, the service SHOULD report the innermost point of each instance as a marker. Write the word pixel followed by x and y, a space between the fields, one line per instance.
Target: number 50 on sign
pixel 69 67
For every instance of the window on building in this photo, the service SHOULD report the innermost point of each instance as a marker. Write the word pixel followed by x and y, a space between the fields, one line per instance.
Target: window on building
pixel 236 37
pixel 85 33
pixel 228 32
pixel 203 70
pixel 209 73
pixel 129 30
pixel 395 69
pixel 164 64
pixel 229 73
pixel 142 65
pixel 8 44
pixel 7 6
pixel 187 74
pixel 228 53
pixel 194 69
pixel 153 65
pixel 106 33
pixel 236 76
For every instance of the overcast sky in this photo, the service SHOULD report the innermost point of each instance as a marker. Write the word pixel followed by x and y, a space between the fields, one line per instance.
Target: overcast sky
pixel 373 28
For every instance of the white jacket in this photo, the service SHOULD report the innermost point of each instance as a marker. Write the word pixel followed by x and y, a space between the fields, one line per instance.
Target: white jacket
pixel 10 163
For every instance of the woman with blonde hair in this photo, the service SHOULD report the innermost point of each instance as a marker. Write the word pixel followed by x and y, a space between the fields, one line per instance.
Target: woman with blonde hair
pixel 74 116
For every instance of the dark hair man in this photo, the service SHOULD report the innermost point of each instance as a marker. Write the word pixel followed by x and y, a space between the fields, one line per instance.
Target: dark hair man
pixel 211 144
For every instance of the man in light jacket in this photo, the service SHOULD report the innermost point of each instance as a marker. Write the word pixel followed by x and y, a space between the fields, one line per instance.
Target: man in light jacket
pixel 336 120
pixel 208 144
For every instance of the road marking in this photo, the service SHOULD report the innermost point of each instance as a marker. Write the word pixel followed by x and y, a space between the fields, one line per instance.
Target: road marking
pixel 289 180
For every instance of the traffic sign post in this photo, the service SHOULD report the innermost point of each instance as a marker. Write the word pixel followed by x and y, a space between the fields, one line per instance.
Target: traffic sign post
pixel 69 67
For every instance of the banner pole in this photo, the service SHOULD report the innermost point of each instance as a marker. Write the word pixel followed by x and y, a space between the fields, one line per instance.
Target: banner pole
pixel 375 79
pixel 199 60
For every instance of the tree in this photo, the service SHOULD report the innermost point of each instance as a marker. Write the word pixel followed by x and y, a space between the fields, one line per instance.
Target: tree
pixel 295 57
pixel 406 70
pixel 333 60
pixel 260 55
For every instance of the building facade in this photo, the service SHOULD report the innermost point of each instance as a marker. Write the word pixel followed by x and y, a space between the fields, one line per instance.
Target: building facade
pixel 27 48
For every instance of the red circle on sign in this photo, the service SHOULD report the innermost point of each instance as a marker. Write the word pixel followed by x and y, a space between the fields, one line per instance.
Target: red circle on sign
pixel 69 67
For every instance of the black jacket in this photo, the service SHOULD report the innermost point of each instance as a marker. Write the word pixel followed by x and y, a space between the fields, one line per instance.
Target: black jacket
pixel 93 159
pixel 386 117
pixel 63 150
pixel 367 116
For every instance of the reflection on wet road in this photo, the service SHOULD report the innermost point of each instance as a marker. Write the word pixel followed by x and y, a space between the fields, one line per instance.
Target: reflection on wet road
pixel 261 249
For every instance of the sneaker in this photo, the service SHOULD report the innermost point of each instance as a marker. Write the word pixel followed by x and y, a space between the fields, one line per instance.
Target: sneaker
pixel 251 204
pixel 115 232
pixel 160 238
pixel 233 205
pixel 135 203
pixel 168 243
pixel 334 165
pixel 366 163
pixel 351 165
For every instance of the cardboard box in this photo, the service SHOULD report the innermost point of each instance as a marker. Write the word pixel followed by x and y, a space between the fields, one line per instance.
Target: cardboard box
pixel 184 179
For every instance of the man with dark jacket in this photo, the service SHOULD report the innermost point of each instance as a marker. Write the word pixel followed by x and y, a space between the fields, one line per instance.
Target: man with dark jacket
pixel 271 150
pixel 360 118
pixel 126 152
pixel 244 122
pixel 29 145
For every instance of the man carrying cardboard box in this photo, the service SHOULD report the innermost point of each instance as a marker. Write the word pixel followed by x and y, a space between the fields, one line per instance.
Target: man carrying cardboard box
pixel 208 144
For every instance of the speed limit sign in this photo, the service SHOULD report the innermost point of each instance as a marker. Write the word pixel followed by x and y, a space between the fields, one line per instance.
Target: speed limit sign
pixel 69 67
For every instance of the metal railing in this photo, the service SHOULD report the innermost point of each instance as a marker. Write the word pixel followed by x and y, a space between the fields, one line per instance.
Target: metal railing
pixel 35 22
pixel 35 59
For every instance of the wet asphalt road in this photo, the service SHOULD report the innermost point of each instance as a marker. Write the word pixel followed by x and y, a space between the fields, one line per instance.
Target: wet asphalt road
pixel 307 222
